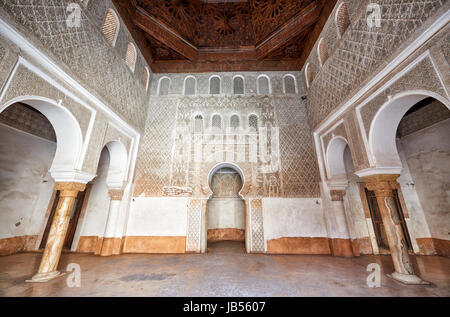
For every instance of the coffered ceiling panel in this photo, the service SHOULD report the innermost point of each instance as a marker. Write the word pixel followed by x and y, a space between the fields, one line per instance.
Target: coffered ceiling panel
pixel 224 35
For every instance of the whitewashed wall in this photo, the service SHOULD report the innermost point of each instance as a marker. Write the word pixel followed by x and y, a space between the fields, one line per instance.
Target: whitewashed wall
pixel 25 184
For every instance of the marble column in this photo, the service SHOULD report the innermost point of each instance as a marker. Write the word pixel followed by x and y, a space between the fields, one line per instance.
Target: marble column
pixel 58 230
pixel 109 239
pixel 383 186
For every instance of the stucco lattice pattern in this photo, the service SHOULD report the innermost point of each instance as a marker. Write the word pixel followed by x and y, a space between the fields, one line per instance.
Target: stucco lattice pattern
pixel 362 49
pixel 154 159
pixel 194 225
pixel 298 164
pixel 29 120
pixel 284 165
pixel 85 52
pixel 257 230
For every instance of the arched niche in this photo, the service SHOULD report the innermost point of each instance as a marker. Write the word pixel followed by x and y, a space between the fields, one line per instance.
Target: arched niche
pixel 226 165
pixel 336 172
pixel 117 171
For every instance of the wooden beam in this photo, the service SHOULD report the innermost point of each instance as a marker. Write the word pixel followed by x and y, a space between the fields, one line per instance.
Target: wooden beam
pixel 163 34
pixel 206 66
pixel 296 25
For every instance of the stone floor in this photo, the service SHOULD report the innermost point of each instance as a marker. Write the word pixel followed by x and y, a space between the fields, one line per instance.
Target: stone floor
pixel 225 271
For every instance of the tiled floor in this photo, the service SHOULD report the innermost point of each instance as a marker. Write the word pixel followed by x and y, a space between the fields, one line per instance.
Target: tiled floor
pixel 225 271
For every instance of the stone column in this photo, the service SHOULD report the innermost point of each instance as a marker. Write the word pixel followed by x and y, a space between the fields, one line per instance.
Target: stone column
pixel 204 227
pixel 383 186
pixel 116 196
pixel 58 230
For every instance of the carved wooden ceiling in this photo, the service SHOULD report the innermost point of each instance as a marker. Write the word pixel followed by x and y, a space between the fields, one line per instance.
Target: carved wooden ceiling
pixel 225 35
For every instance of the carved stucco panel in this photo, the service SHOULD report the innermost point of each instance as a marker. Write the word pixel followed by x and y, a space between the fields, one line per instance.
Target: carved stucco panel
pixel 422 77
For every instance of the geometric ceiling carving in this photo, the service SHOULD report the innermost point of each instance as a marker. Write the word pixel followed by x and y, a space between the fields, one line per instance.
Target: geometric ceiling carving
pixel 224 35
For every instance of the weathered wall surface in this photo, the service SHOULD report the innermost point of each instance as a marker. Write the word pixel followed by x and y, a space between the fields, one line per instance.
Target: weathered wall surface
pixel 25 188
pixel 96 213
pixel 294 226
pixel 427 153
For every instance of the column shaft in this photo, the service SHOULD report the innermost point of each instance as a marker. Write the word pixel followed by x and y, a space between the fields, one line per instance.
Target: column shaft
pixel 383 186
pixel 113 214
pixel 58 231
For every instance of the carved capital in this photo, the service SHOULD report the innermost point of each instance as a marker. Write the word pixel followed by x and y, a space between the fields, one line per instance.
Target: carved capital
pixel 382 185
pixel 115 194
pixel 337 195
pixel 69 189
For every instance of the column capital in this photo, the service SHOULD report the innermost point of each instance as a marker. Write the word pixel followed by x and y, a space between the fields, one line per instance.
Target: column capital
pixel 115 194
pixel 382 185
pixel 69 189
pixel 337 195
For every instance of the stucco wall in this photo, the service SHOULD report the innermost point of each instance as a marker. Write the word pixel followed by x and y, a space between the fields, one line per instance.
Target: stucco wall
pixel 96 213
pixel 157 217
pixel 427 153
pixel 225 213
pixel 25 184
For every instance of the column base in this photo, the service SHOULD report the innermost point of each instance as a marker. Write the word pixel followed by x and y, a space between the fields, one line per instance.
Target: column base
pixel 44 277
pixel 409 279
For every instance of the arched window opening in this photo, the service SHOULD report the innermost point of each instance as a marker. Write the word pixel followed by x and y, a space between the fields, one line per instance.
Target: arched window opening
pixel 263 85
pixel 214 85
pixel 323 51
pixel 238 86
pixel 342 19
pixel 130 57
pixel 234 122
pixel 164 84
pixel 145 78
pixel 289 85
pixel 198 124
pixel 110 28
pixel 216 122
pixel 189 86
pixel 308 75
pixel 253 122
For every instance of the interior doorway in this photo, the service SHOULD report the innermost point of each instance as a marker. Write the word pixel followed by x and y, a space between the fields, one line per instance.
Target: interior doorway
pixel 226 221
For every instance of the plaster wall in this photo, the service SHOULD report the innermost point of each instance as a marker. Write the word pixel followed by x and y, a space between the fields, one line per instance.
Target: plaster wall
pixel 157 217
pixel 427 153
pixel 293 217
pixel 98 201
pixel 356 219
pixel 225 213
pixel 25 184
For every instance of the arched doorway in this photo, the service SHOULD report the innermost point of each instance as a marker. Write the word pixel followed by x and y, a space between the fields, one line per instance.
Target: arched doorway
pixel 426 166
pixel 102 215
pixel 225 218
pixel 39 139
